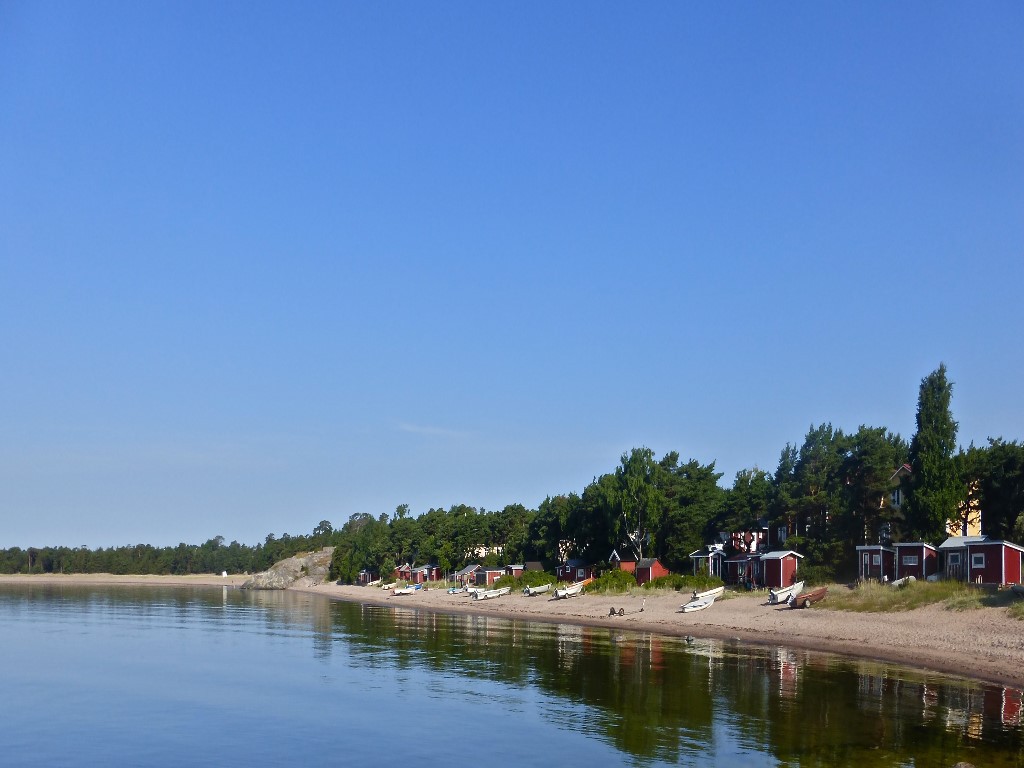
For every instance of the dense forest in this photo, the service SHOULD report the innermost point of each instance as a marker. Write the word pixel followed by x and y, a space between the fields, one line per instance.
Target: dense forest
pixel 829 494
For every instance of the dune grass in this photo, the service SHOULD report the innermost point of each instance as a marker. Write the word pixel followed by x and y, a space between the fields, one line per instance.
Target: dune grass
pixel 872 597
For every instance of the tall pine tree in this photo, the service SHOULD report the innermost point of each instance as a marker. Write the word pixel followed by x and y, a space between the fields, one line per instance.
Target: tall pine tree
pixel 933 489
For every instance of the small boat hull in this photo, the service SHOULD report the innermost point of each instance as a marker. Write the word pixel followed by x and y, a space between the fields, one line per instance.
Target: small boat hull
pixel 807 599
pixel 1018 590
pixel 903 582
pixel 572 590
pixel 784 595
pixel 531 591
pixel 490 594
pixel 696 605
pixel 411 589
pixel 709 594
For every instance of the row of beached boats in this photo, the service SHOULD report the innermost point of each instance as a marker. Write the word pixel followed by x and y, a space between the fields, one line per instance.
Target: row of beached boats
pixel 794 595
pixel 481 593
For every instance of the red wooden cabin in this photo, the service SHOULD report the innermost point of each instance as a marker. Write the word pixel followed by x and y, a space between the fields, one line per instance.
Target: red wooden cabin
pixel 916 559
pixel 649 568
pixel 876 562
pixel 779 568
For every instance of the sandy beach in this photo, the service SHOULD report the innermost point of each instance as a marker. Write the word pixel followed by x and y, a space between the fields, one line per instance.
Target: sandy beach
pixel 983 644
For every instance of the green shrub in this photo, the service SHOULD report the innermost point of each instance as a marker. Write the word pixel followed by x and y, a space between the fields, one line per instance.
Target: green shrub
pixel 816 575
pixel 681 583
pixel 613 581
pixel 1016 610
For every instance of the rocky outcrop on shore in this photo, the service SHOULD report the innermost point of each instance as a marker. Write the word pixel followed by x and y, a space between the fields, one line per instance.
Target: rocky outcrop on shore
pixel 299 571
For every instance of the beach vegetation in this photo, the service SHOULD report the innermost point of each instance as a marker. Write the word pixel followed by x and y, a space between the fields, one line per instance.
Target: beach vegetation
pixel 817 575
pixel 876 597
pixel 680 583
pixel 613 581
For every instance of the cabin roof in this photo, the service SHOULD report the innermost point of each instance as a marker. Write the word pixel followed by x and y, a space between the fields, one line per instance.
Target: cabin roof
pixel 467 569
pixel 876 547
pixel 780 554
pixel 914 544
pixel 960 542
pixel 533 565
pixel 647 562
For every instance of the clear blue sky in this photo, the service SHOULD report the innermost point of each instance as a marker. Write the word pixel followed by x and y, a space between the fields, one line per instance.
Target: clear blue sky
pixel 267 264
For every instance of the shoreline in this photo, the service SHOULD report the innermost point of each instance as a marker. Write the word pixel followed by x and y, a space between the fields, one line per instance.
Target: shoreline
pixel 982 644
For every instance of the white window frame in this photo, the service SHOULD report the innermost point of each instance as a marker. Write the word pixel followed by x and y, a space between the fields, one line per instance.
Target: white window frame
pixel 580 573
pixel 876 559
pixel 910 560
pixel 977 560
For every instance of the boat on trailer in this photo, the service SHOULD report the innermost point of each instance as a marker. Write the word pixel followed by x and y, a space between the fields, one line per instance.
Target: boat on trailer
pixel 807 599
pixel 540 590
pixel 784 595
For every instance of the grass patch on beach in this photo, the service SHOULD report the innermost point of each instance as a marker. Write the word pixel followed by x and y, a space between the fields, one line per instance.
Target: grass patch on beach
pixel 872 597
pixel 613 582
pixel 1016 610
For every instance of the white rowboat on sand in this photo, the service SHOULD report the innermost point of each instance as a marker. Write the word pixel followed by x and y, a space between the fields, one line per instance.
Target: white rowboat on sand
pixel 697 605
pixel 784 595
pixel 488 594
pixel 710 594
pixel 572 590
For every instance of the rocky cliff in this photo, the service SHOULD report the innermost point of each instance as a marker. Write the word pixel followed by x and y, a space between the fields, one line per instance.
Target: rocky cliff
pixel 302 570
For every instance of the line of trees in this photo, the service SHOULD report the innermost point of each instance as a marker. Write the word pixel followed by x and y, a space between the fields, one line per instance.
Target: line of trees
pixel 828 494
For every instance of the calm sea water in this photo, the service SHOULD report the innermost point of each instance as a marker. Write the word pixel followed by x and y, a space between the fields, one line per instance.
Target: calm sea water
pixel 222 677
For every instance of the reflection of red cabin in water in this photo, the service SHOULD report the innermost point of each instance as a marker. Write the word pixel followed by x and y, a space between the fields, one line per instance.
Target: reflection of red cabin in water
pixel 779 568
pixel 1004 703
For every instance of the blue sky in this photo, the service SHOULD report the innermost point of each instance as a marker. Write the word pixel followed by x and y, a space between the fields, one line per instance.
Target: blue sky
pixel 267 264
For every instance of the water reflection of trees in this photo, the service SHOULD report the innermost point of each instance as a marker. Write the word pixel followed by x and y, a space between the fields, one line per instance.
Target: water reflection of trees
pixel 660 698
pixel 651 697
